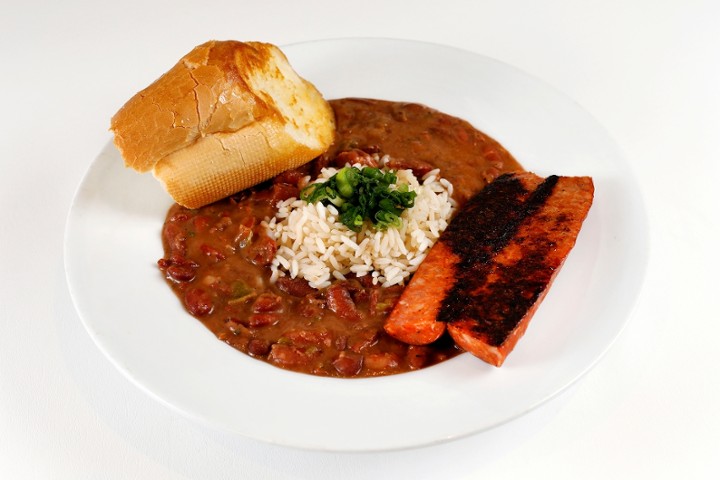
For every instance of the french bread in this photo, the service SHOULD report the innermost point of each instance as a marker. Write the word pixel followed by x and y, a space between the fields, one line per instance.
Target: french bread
pixel 227 116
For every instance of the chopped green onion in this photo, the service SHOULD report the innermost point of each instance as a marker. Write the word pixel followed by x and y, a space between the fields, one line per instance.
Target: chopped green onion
pixel 240 293
pixel 240 289
pixel 363 194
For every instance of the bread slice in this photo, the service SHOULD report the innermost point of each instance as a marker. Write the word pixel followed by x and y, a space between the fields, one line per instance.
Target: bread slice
pixel 227 116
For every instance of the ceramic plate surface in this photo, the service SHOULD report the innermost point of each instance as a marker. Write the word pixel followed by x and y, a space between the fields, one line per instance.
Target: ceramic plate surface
pixel 113 242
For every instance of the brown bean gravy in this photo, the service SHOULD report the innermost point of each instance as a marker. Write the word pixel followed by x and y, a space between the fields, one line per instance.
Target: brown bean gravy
pixel 217 257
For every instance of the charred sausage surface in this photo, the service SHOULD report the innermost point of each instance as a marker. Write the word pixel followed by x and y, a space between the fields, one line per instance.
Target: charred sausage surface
pixel 486 276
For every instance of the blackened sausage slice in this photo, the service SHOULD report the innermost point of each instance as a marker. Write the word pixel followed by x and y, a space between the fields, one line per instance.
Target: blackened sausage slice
pixel 493 265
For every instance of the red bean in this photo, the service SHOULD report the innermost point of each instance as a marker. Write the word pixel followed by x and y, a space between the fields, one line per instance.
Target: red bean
pixel 263 251
pixel 291 177
pixel 348 364
pixel 288 356
pixel 180 273
pixel 340 302
pixel 340 342
pixel 198 302
pixel 278 192
pixel 178 268
pixel 296 287
pixel 362 340
pixel 418 167
pixel 267 302
pixel 365 281
pixel 174 236
pixel 373 302
pixel 259 320
pixel 283 191
pixel 258 348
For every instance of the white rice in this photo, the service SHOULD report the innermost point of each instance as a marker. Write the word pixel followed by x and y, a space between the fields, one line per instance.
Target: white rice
pixel 314 245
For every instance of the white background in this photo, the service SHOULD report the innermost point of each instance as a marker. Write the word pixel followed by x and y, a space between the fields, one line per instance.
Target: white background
pixel 649 71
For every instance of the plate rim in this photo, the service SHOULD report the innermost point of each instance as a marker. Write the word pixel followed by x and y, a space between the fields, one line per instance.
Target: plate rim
pixel 630 179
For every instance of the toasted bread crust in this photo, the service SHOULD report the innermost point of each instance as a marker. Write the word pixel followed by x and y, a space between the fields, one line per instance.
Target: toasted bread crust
pixel 180 126
pixel 219 165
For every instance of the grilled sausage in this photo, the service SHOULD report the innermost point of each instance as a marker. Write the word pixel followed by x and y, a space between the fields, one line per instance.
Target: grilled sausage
pixel 485 277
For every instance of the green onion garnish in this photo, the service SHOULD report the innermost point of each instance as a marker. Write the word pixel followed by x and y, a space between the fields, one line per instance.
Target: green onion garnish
pixel 363 194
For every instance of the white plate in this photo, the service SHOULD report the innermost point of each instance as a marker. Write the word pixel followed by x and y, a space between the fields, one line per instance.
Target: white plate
pixel 113 242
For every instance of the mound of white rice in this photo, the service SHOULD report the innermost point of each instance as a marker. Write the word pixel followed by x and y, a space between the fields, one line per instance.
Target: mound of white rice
pixel 314 245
